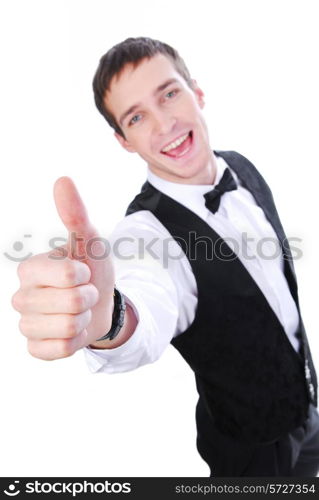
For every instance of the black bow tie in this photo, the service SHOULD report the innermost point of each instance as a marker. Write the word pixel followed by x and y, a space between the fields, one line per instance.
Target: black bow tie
pixel 226 183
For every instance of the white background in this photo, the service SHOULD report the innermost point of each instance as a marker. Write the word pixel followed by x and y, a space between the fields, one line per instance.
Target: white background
pixel 257 63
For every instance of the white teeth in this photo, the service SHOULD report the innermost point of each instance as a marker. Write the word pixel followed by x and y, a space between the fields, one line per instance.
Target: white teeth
pixel 176 143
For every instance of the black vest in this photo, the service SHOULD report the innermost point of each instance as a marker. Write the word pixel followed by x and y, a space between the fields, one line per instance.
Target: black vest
pixel 253 386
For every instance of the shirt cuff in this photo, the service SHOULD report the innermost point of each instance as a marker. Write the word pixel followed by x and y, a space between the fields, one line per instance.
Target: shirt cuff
pixel 118 359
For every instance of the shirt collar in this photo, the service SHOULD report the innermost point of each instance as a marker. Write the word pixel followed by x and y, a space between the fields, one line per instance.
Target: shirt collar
pixel 189 195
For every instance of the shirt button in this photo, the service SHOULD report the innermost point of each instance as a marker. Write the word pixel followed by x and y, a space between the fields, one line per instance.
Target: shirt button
pixel 307 370
pixel 311 390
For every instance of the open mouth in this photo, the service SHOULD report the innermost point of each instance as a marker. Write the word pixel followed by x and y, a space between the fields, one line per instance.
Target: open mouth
pixel 179 147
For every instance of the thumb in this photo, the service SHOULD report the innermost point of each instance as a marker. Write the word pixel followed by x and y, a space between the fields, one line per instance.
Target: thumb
pixel 83 241
pixel 73 214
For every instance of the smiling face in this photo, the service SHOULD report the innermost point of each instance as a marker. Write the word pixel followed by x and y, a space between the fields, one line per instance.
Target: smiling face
pixel 161 119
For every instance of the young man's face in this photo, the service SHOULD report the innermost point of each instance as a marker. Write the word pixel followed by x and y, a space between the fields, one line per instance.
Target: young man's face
pixel 161 118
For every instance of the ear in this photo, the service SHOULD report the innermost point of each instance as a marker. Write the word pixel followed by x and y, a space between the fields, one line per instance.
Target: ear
pixel 124 143
pixel 199 94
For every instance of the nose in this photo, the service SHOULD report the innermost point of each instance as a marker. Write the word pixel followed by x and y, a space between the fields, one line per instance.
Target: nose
pixel 163 122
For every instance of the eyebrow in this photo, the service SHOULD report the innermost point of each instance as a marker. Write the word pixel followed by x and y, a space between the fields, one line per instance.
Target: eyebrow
pixel 156 91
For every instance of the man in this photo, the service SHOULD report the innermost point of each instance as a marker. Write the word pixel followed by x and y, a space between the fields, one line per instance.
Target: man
pixel 230 310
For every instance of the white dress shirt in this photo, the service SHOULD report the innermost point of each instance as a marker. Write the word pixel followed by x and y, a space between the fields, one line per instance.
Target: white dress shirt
pixel 157 279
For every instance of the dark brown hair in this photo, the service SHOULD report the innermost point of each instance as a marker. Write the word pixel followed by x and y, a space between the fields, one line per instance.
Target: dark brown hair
pixel 133 51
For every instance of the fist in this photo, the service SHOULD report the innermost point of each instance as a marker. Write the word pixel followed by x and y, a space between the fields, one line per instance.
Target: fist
pixel 66 296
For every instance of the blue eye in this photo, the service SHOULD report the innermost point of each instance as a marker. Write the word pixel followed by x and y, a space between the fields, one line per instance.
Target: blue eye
pixel 171 93
pixel 135 119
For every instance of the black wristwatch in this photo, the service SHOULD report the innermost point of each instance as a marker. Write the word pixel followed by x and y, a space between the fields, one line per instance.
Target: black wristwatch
pixel 117 316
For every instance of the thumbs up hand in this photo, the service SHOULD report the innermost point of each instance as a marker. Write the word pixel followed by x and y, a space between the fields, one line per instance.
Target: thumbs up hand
pixel 66 295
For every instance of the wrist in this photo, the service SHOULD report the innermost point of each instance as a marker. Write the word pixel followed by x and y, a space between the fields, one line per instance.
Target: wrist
pixel 128 328
pixel 117 316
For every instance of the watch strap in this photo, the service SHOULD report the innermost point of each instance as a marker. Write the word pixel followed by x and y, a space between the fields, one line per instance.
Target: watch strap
pixel 117 316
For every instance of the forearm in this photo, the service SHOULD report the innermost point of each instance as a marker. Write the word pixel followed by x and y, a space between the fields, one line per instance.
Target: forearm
pixel 156 314
pixel 150 290
pixel 128 328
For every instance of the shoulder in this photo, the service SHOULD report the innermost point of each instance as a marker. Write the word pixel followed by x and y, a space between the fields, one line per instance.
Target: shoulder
pixel 245 169
pixel 233 158
pixel 147 199
pixel 140 223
